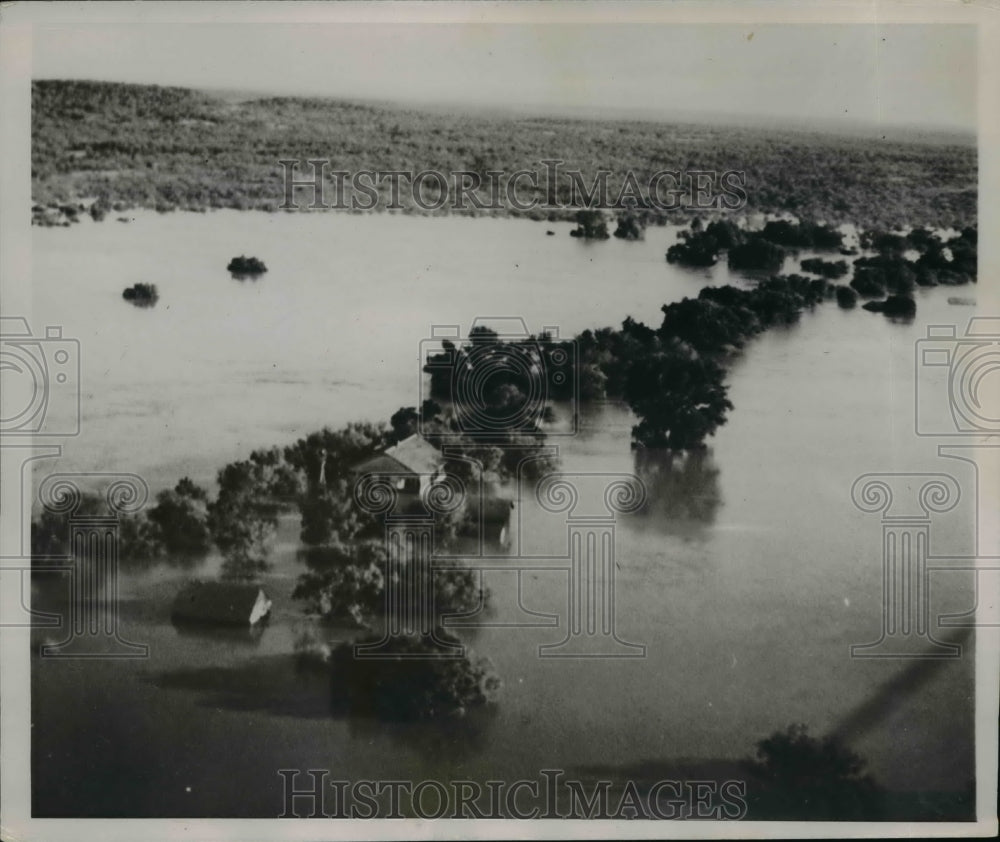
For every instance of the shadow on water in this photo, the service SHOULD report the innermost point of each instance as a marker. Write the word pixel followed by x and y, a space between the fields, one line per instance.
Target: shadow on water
pixel 243 636
pixel 795 776
pixel 895 692
pixel 682 492
pixel 290 686
pixel 272 684
pixel 453 737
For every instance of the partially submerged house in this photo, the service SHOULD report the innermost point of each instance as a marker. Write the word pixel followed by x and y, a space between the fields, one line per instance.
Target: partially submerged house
pixel 221 604
pixel 414 464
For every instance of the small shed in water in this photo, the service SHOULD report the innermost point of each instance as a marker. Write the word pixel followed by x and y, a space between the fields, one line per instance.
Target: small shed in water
pixel 220 604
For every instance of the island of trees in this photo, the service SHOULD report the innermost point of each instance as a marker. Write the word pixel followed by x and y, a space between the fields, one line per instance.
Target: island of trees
pixel 243 267
pixel 896 265
pixel 141 295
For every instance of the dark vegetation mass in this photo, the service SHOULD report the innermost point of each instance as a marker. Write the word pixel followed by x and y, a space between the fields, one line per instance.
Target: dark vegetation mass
pixel 749 250
pixel 846 297
pixel 243 267
pixel 414 677
pixel 895 305
pixel 825 268
pixel 141 295
pixel 173 148
pixel 795 776
pixel 902 262
pixel 590 225
pixel 892 267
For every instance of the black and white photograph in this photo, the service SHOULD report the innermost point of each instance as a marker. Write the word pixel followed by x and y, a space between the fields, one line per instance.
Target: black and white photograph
pixel 499 420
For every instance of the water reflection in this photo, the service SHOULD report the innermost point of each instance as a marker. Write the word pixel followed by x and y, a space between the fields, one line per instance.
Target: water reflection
pixel 271 684
pixel 452 737
pixel 682 491
pixel 246 636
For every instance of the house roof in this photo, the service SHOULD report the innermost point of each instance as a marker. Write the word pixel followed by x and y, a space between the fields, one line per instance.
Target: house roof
pixel 413 455
pixel 216 602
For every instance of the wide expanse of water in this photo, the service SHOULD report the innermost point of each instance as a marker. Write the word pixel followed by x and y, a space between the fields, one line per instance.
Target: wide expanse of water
pixel 747 578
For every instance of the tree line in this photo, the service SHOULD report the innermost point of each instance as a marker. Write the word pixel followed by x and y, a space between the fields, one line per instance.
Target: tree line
pixel 173 148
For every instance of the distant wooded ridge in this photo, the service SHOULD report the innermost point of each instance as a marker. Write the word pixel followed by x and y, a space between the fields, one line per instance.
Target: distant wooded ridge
pixel 175 148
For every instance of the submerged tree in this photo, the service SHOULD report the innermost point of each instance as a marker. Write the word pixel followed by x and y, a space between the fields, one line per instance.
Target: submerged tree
pixel 244 267
pixel 590 225
pixel 802 777
pixel 141 295
pixel 180 517
pixel 757 254
pixel 244 517
pixel 630 227
pixel 414 677
pixel 679 397
pixel 701 249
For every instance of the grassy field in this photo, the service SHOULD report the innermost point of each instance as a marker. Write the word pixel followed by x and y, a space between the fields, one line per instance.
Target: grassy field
pixel 173 148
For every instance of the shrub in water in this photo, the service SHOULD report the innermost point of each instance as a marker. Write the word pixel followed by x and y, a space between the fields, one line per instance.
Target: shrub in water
pixel 246 267
pixel 826 268
pixel 141 295
pixel 757 254
pixel 699 250
pixel 800 777
pixel 591 225
pixel 894 305
pixel 846 297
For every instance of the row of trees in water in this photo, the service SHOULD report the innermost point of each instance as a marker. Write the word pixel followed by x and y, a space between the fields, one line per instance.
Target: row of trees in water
pixel 671 376
pixel 897 264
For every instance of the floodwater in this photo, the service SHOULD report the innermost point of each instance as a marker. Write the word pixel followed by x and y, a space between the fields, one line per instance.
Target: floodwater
pixel 747 576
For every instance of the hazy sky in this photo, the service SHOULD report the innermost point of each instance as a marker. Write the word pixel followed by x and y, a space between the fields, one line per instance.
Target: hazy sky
pixel 892 74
